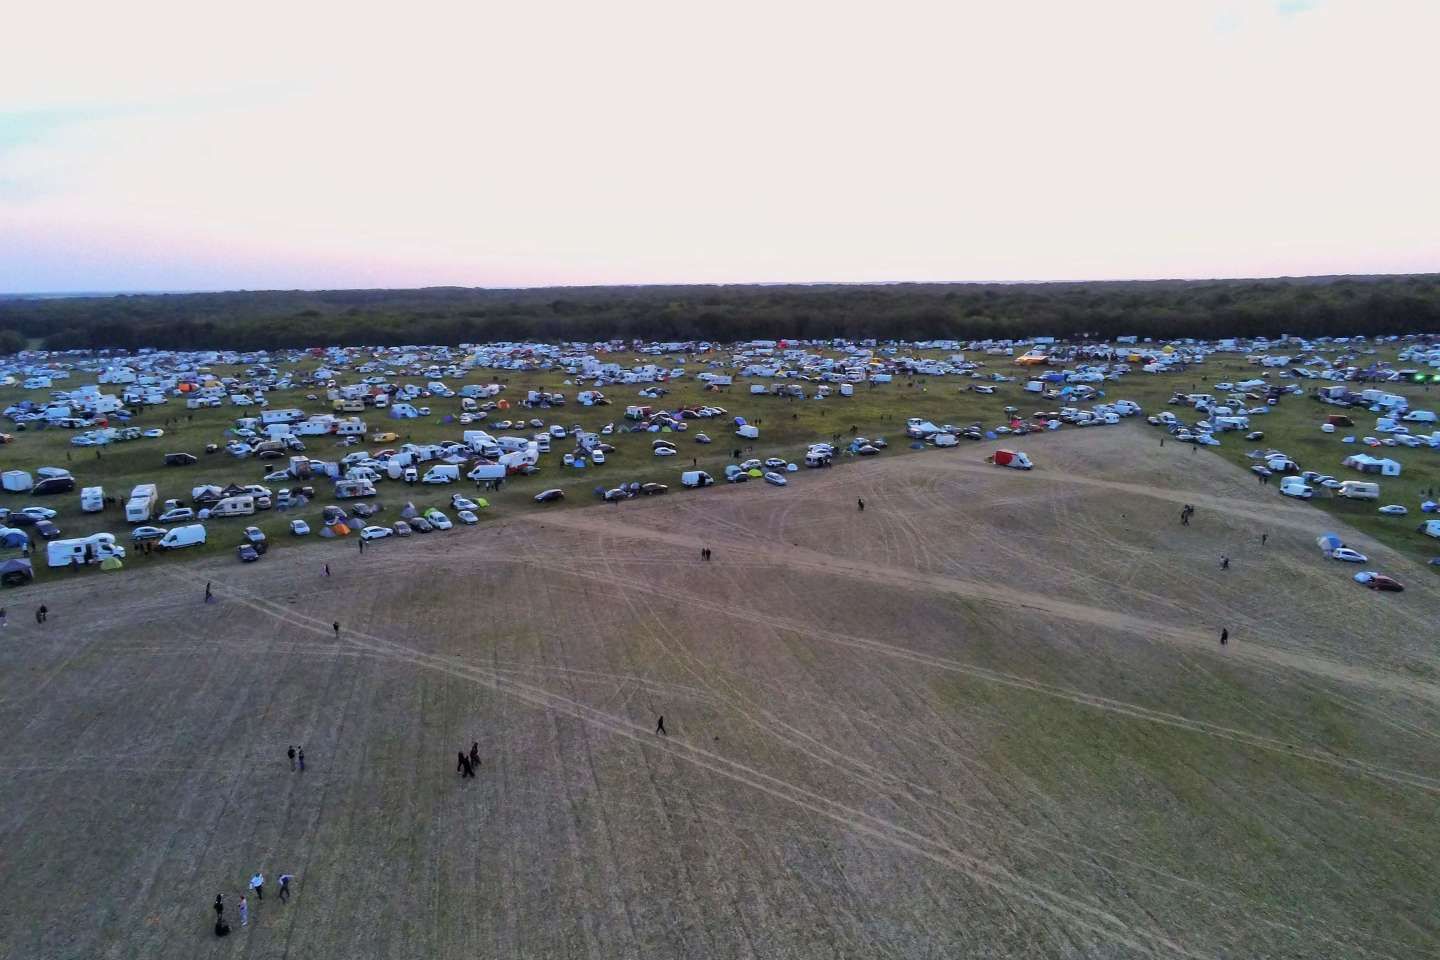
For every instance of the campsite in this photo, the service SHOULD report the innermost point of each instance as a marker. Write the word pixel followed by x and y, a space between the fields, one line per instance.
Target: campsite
pixel 985 714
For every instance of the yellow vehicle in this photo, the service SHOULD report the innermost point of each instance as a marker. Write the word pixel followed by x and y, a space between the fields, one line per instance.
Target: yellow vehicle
pixel 1034 358
pixel 386 437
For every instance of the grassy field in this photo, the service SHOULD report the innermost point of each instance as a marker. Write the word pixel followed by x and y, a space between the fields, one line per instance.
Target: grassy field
pixel 988 716
pixel 786 428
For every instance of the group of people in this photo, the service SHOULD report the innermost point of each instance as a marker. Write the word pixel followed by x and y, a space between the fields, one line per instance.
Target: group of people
pixel 704 553
pixel 257 888
pixel 466 764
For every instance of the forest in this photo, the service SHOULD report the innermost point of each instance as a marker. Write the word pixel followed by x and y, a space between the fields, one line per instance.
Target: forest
pixel 450 315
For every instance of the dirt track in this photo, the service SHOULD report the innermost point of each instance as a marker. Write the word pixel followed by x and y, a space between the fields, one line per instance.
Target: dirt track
pixel 987 716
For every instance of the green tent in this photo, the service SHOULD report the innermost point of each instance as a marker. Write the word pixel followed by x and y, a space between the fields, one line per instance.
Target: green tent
pixel 111 563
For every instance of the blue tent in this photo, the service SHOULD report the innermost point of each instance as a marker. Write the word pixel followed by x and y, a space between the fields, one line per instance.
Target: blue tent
pixel 10 537
pixel 1329 542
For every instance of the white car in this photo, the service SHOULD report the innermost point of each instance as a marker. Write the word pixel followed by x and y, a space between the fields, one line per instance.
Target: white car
pixel 775 479
pixel 463 503
pixel 467 517
pixel 439 520
pixel 1348 555
pixel 277 476
pixel 664 451
pixel 597 456
pixel 38 513
pixel 176 515
pixel 1394 510
pixel 299 528
pixel 375 533
pixel 153 433
pixel 254 534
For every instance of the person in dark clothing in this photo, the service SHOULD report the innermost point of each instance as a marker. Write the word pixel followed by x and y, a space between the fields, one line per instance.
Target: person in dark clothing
pixel 219 905
pixel 860 502
pixel 475 753
pixel 300 758
pixel 1224 637
pixel 291 754
pixel 1224 563
pixel 209 596
pixel 42 614
pixel 660 726
pixel 1263 538
pixel 460 762
pixel 362 546
pixel 336 625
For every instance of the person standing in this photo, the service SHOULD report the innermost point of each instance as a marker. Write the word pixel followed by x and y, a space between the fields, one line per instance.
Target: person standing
pixel 475 753
pixel 300 758
pixel 1263 538
pixel 219 905
pixel 4 621
pixel 42 614
pixel 257 883
pixel 362 544
pixel 1224 636
pixel 336 625
pixel 244 912
pixel 860 502
pixel 285 879
pixel 291 754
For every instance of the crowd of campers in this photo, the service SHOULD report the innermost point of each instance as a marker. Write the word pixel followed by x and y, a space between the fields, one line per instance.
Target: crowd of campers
pixel 499 434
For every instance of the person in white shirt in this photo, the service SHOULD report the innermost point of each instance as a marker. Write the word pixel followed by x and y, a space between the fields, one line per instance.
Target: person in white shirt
pixel 257 883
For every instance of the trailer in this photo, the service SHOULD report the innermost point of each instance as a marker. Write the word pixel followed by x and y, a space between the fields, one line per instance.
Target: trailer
pixel 141 503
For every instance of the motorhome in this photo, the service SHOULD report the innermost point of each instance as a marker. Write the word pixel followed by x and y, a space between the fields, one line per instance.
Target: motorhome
pixel 92 499
pixel 83 550
pixel 1358 490
pixel 141 503
pixel 353 489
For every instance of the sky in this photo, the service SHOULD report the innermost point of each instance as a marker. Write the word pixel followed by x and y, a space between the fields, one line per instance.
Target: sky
pixel 185 146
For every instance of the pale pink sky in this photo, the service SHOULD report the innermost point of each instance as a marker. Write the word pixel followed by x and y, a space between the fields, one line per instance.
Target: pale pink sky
pixel 192 146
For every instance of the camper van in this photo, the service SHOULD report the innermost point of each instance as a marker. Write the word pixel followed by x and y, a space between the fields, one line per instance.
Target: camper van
pixel 442 473
pixel 92 499
pixel 242 506
pixel 1359 490
pixel 85 550
pixel 353 489
pixel 186 536
pixel 141 503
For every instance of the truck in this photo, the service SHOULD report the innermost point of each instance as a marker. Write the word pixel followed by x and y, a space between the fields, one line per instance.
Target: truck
pixel 141 503
pixel 85 550
pixel 92 499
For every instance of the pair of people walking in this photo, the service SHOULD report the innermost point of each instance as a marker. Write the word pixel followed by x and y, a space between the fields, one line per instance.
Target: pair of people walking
pixel 705 553
pixel 465 765
pixel 297 758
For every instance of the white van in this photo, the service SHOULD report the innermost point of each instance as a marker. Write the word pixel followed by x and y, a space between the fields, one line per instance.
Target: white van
pixel 487 471
pixel 92 499
pixel 696 478
pixel 186 536
pixel 1359 490
pixel 234 507
pixel 442 473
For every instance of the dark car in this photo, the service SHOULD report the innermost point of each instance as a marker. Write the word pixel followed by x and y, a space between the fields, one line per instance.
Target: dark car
pixel 18 519
pixel 247 553
pixel 180 459
pixel 365 509
pixel 549 496
pixel 421 525
pixel 653 489
pixel 47 529
pixel 52 485
pixel 1381 582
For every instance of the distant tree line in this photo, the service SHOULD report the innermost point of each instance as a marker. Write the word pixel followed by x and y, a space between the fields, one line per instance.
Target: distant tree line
pixel 449 315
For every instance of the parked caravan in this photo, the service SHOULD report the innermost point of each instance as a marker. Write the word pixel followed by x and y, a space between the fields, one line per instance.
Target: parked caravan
pixel 242 506
pixel 187 536
pixel 141 503
pixel 353 489
pixel 92 499
pixel 1358 490
pixel 85 550
pixel 16 481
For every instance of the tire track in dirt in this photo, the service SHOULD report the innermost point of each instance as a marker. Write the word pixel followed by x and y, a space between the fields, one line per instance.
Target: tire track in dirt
pixel 1083 916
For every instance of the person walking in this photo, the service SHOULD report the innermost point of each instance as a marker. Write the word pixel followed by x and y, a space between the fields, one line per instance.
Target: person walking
pixel 244 912
pixel 1224 637
pixel 4 620
pixel 1263 538
pixel 362 544
pixel 475 753
pixel 1224 562
pixel 219 905
pixel 460 762
pixel 336 625
pixel 42 614
pixel 209 595
pixel 300 758
pixel 660 726
pixel 257 883
pixel 327 569
pixel 285 879
pixel 291 754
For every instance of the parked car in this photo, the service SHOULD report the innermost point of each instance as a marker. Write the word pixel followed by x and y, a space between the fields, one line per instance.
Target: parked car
pixel 37 513
pixel 653 489
pixel 401 528
pixel 380 533
pixel 247 553
pixel 549 496
pixel 176 515
pixel 459 502
pixel 46 529
pixel 52 485
pixel 420 525
pixel 141 534
pixel 1393 510
pixel 467 517
pixel 1379 581
pixel 254 535
pixel 1348 555
pixel 775 479
pixel 664 451
pixel 365 509
pixel 439 519
pixel 299 528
